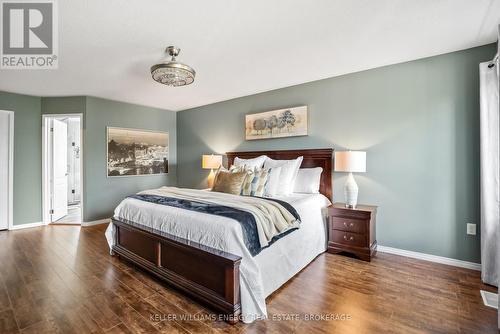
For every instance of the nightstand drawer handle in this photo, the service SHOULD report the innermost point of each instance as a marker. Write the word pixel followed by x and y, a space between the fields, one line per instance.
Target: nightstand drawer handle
pixel 350 225
pixel 350 238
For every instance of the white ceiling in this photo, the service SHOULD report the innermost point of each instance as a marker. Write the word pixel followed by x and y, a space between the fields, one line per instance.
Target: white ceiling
pixel 240 48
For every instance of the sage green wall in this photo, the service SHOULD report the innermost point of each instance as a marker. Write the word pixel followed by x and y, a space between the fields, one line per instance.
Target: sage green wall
pixel 418 122
pixel 64 105
pixel 102 194
pixel 27 156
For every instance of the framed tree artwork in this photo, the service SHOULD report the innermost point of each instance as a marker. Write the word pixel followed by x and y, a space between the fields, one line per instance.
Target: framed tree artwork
pixel 287 122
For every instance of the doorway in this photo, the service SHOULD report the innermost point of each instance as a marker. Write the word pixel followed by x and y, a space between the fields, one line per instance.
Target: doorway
pixel 6 168
pixel 62 168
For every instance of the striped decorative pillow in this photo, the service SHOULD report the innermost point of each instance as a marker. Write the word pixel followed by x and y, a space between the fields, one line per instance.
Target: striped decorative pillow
pixel 259 182
pixel 255 182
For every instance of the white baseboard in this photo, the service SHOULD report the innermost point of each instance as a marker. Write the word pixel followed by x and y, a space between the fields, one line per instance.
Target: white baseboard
pixel 96 222
pixel 65 223
pixel 38 224
pixel 429 257
pixel 29 225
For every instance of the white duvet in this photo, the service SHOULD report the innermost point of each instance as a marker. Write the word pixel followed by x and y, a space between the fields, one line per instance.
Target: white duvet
pixel 260 275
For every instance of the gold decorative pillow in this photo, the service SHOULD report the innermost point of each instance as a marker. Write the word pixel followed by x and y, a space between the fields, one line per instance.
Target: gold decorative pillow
pixel 246 187
pixel 220 169
pixel 227 182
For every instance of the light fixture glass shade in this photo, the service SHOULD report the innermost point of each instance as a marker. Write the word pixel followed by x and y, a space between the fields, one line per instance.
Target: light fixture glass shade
pixel 350 161
pixel 211 161
pixel 171 72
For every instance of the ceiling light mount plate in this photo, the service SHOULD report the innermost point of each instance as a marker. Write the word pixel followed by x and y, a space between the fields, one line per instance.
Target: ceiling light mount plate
pixel 173 51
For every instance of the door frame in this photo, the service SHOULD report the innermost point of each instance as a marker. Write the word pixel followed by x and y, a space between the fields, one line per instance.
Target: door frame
pixel 10 173
pixel 46 164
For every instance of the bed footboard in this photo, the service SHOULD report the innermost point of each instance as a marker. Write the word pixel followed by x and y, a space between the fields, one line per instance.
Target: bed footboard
pixel 206 274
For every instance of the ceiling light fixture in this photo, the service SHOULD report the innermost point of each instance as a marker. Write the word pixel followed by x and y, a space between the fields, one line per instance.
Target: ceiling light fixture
pixel 171 72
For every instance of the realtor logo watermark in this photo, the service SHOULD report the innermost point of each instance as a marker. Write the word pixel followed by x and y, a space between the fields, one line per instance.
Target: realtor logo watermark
pixel 29 34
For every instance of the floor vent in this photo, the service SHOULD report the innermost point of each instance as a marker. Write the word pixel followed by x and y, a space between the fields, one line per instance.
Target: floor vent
pixel 490 299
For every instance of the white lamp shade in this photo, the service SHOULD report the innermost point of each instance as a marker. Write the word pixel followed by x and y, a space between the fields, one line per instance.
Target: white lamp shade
pixel 350 161
pixel 211 161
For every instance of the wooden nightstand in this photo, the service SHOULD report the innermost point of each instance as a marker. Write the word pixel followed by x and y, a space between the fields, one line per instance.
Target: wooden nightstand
pixel 352 230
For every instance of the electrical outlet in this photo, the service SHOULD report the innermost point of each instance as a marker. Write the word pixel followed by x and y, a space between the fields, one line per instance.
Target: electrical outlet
pixel 471 229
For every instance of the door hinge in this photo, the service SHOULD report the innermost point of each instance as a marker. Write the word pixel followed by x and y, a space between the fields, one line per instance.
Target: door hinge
pixel 51 211
pixel 51 129
pixel 72 191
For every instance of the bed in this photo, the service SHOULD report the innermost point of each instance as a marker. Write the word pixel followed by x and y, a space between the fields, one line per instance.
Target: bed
pixel 216 269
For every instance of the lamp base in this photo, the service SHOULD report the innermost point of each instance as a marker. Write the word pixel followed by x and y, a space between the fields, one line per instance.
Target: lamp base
pixel 211 179
pixel 351 192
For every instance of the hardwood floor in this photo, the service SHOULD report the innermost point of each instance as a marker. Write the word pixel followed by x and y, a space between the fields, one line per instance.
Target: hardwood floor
pixel 61 279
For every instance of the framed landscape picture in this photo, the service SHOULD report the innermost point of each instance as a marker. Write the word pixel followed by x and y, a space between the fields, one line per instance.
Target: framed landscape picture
pixel 287 122
pixel 136 152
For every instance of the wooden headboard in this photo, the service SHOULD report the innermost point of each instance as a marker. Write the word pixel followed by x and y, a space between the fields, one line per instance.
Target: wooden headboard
pixel 312 158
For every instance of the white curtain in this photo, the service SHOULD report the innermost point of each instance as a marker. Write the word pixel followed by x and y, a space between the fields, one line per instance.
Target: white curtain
pixel 490 186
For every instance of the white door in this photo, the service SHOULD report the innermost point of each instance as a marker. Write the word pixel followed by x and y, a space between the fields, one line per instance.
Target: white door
pixel 4 169
pixel 59 170
pixel 73 160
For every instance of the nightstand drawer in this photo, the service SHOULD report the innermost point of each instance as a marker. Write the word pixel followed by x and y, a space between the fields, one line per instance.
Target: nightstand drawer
pixel 348 239
pixel 348 225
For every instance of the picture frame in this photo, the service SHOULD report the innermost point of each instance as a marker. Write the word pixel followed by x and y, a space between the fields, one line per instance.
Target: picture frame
pixel 136 152
pixel 279 123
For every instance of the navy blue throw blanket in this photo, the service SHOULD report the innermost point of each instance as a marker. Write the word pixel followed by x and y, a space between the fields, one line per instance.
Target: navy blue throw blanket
pixel 245 219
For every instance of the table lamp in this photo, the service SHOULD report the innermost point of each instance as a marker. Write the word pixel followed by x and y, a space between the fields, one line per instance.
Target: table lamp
pixel 211 161
pixel 352 162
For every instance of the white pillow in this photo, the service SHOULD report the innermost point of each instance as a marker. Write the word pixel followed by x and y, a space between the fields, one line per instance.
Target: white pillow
pixel 252 163
pixel 308 180
pixel 273 180
pixel 289 170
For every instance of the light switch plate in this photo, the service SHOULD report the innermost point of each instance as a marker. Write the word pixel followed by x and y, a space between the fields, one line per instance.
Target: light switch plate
pixel 471 229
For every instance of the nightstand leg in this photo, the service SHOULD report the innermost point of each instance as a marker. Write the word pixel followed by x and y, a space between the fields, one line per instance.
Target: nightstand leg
pixel 364 257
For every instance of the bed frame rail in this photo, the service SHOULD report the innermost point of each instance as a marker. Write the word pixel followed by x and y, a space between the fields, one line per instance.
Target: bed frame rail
pixel 206 274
